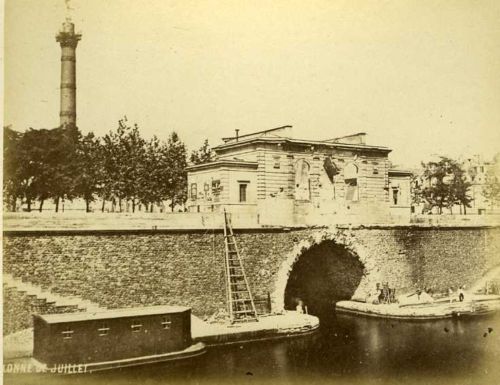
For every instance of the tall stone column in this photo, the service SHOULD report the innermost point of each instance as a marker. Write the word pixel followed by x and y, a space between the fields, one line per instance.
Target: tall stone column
pixel 68 40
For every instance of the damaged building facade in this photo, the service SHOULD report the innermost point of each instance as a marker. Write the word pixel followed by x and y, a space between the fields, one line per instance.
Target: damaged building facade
pixel 282 180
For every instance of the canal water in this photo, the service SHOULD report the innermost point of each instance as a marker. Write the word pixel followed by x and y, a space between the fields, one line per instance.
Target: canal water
pixel 346 350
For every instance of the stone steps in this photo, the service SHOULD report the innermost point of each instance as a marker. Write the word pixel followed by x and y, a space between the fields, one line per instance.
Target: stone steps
pixel 61 303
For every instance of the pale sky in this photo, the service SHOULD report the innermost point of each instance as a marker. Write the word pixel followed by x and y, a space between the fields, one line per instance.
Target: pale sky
pixel 421 77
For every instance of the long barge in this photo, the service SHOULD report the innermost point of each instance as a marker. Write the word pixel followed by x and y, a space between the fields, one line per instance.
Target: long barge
pixel 477 306
pixel 114 338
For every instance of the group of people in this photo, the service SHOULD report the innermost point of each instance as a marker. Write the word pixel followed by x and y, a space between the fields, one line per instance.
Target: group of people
pixel 385 294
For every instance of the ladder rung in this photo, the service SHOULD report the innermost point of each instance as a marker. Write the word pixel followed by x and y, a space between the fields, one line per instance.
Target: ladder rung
pixel 241 300
pixel 239 291
pixel 243 312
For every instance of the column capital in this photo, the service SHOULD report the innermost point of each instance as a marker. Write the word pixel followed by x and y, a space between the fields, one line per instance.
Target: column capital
pixel 67 39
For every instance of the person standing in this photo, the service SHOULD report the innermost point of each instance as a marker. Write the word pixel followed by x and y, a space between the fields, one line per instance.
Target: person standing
pixel 461 294
pixel 300 307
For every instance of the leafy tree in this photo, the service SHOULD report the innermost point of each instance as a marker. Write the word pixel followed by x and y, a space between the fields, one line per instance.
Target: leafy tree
pixel 444 185
pixel 12 167
pixel 61 164
pixel 34 170
pixel 132 152
pixel 110 162
pixel 40 164
pixel 90 172
pixel 203 155
pixel 177 175
pixel 124 154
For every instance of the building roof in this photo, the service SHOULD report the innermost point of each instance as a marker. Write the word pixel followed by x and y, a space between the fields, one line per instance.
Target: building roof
pixel 283 135
pixel 300 142
pixel 257 133
pixel 358 138
pixel 110 314
pixel 223 163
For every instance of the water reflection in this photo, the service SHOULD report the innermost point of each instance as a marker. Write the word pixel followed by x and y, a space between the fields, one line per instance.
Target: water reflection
pixel 347 349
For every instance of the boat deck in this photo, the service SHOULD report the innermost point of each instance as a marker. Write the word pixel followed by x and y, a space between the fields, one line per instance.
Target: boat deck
pixel 478 305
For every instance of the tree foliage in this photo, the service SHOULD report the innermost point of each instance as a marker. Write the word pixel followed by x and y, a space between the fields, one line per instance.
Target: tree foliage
pixel 443 184
pixel 121 168
pixel 203 155
pixel 177 175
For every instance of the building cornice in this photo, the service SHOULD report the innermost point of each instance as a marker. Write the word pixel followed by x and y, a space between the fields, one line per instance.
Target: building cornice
pixel 223 163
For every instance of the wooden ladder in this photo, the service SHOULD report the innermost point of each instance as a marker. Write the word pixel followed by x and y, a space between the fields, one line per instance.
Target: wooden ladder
pixel 239 298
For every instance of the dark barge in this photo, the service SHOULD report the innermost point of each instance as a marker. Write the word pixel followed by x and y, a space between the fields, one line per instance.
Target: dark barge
pixel 114 338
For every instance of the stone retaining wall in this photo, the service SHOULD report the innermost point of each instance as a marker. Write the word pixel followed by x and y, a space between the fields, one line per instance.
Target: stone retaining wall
pixel 187 267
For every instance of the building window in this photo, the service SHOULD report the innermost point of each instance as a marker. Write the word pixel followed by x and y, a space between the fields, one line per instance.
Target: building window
pixel 166 322
pixel 67 334
pixel 136 326
pixel 395 194
pixel 351 181
pixel 375 171
pixel 103 329
pixel 243 192
pixel 194 191
pixel 276 163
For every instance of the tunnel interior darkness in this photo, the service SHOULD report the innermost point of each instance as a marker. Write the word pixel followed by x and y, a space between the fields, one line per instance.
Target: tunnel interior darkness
pixel 323 275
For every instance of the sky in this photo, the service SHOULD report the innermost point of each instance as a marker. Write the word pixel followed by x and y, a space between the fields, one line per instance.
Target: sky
pixel 421 77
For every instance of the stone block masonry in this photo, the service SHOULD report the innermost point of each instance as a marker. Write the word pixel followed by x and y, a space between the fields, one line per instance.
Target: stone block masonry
pixel 130 269
pixel 135 268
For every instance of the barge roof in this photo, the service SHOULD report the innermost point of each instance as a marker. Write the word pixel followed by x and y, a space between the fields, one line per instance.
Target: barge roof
pixel 111 314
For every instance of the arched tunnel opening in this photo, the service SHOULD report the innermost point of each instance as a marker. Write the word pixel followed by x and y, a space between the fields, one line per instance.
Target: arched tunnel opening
pixel 323 275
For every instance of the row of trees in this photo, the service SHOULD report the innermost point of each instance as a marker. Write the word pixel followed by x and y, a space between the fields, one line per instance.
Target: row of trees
pixel 445 184
pixel 120 167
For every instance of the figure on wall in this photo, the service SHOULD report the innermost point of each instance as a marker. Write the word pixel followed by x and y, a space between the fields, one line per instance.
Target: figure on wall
pixel 331 168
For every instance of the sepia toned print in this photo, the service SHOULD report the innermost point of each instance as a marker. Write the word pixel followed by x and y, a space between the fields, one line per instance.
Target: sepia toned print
pixel 292 192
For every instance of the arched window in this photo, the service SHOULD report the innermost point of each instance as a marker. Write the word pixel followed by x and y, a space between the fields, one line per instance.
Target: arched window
pixel 351 181
pixel 302 182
